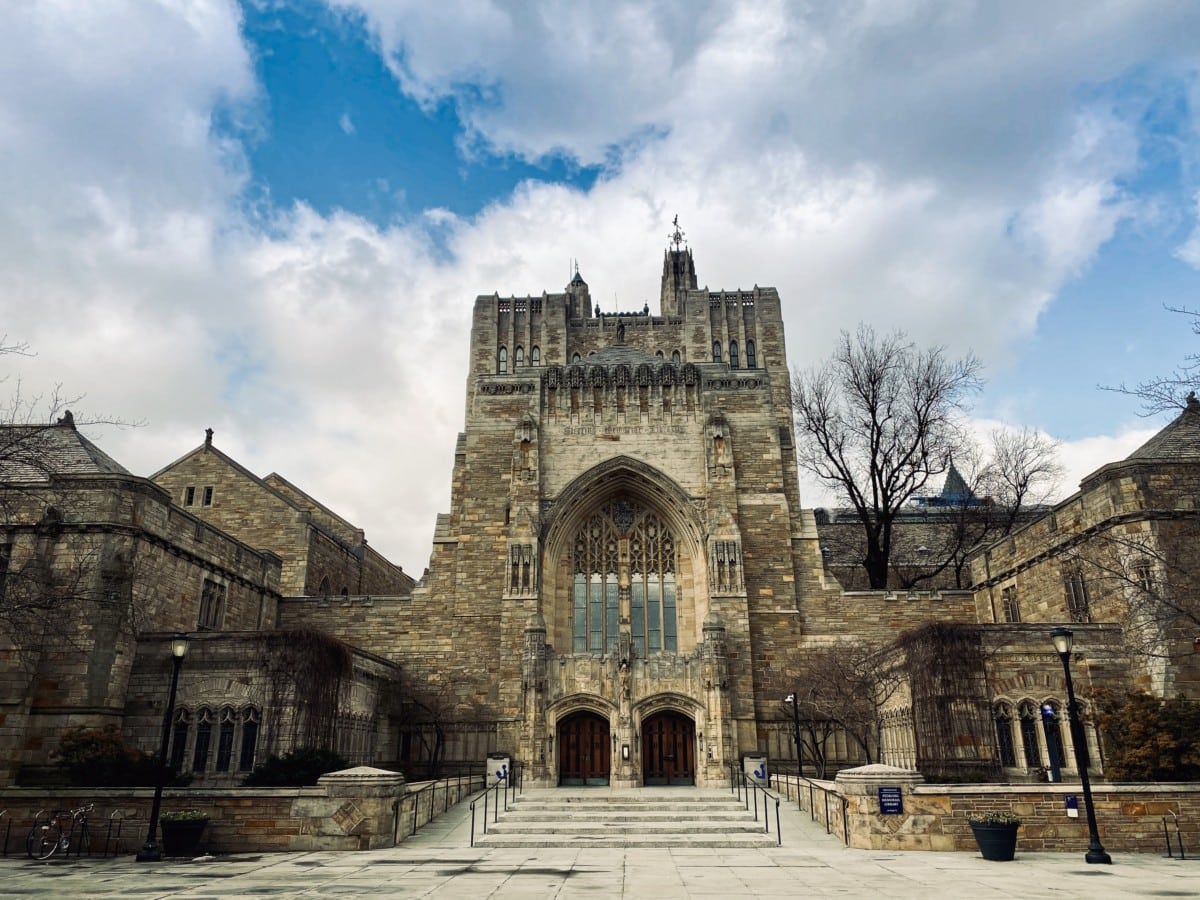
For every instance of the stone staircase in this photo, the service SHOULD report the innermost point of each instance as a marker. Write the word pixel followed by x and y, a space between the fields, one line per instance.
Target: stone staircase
pixel 603 817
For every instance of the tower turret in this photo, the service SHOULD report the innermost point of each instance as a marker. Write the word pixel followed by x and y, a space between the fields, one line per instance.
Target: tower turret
pixel 579 305
pixel 679 274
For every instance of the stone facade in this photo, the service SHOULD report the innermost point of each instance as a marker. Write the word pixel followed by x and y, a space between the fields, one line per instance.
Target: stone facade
pixel 321 552
pixel 99 567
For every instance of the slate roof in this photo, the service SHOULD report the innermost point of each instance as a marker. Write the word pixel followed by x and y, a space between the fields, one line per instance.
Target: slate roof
pixel 36 452
pixel 1180 440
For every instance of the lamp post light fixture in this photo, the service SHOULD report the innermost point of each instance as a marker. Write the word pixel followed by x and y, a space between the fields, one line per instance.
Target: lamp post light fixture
pixel 1062 638
pixel 791 698
pixel 151 852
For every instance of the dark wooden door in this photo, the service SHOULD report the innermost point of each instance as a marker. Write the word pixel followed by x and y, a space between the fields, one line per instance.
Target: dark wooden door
pixel 584 753
pixel 668 749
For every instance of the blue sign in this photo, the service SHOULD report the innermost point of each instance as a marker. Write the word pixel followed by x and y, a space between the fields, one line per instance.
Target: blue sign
pixel 891 801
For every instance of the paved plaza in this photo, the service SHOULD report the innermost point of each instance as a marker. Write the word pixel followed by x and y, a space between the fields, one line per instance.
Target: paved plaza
pixel 439 862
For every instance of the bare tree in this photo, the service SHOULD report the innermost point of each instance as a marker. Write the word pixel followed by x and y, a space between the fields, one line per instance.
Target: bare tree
pixel 1018 474
pixel 56 573
pixel 847 685
pixel 1167 392
pixel 877 421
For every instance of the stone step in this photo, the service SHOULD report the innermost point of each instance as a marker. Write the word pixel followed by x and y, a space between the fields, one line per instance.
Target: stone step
pixel 623 820
pixel 678 827
pixel 721 816
pixel 542 841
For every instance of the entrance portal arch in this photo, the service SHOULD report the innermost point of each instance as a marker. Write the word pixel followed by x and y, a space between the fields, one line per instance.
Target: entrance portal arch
pixel 668 749
pixel 584 750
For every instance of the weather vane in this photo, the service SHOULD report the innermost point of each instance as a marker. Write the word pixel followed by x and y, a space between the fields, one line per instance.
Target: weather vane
pixel 676 237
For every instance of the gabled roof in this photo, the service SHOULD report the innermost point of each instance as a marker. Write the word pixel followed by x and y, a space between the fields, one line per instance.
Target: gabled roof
pixel 1180 440
pixel 38 452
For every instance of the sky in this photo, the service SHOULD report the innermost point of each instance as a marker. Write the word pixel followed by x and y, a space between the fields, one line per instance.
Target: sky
pixel 272 219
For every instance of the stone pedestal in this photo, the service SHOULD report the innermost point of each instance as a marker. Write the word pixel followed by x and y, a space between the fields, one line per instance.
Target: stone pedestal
pixel 871 829
pixel 356 811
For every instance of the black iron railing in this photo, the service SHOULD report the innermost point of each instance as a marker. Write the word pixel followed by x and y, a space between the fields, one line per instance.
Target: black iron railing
pixel 511 782
pixel 460 785
pixel 748 790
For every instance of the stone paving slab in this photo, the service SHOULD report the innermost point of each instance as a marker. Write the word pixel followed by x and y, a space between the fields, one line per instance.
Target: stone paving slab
pixel 439 863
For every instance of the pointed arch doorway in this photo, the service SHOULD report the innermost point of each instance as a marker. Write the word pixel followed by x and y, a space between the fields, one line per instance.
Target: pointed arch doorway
pixel 584 754
pixel 668 749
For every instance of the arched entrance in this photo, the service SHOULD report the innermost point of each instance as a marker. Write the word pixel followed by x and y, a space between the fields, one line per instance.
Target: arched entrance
pixel 668 749
pixel 584 751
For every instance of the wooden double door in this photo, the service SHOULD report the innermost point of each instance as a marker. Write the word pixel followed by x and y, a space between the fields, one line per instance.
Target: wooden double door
pixel 668 749
pixel 584 750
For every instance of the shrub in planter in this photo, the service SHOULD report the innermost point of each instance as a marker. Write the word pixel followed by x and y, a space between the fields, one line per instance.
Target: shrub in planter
pixel 996 834
pixel 181 831
pixel 297 768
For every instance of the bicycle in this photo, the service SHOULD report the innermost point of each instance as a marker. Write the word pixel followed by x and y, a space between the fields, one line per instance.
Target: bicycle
pixel 61 830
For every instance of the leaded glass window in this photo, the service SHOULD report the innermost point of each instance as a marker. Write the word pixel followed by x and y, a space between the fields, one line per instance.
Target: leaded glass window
pixel 624 530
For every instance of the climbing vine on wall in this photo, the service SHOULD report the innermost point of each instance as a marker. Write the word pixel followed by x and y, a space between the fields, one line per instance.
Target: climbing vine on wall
pixel 945 665
pixel 308 672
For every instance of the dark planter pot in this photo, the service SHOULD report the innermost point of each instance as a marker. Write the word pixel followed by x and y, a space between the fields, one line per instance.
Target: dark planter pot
pixel 996 842
pixel 182 838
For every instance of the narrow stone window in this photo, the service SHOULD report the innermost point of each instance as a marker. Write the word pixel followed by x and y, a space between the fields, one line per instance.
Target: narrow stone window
pixel 1029 738
pixel 204 726
pixel 716 351
pixel 208 496
pixel 733 354
pixel 675 357
pixel 250 719
pixel 1079 604
pixel 212 605
pixel 225 740
pixel 535 356
pixel 179 739
pixel 1004 735
pixel 502 361
pixel 519 357
pixel 1012 606
pixel 751 359
pixel 189 496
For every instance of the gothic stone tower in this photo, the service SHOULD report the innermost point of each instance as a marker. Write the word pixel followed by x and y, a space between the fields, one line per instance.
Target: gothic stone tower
pixel 623 549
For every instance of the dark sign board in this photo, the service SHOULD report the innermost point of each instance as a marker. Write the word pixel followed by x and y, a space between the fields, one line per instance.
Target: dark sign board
pixel 891 802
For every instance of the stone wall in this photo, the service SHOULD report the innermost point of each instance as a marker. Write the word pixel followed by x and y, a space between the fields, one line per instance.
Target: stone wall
pixel 1129 816
pixel 358 809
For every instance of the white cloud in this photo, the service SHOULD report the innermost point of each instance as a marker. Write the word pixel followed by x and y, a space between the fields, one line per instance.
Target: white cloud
pixel 906 163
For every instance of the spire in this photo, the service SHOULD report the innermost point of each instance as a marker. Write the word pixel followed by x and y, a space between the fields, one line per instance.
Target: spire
pixel 579 302
pixel 679 273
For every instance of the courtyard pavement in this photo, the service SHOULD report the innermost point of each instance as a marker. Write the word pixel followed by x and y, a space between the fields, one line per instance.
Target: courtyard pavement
pixel 439 862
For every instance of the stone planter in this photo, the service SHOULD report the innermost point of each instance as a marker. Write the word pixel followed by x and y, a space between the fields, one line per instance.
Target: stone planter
pixel 997 841
pixel 182 836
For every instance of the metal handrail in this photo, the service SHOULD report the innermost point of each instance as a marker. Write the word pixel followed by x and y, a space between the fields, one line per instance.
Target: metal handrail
pixel 7 828
pixel 433 786
pixel 512 780
pixel 753 787
pixel 1178 836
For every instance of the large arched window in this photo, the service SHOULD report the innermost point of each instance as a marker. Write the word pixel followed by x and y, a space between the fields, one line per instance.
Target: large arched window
pixel 624 536
pixel 1003 717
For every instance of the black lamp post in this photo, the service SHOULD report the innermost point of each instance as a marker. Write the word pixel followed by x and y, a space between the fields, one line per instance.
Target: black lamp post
pixel 1062 638
pixel 150 851
pixel 791 698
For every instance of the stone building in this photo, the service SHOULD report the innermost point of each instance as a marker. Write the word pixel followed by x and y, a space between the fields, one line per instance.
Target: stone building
pixel 622 575
pixel 321 553
pixel 623 591
pixel 98 568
